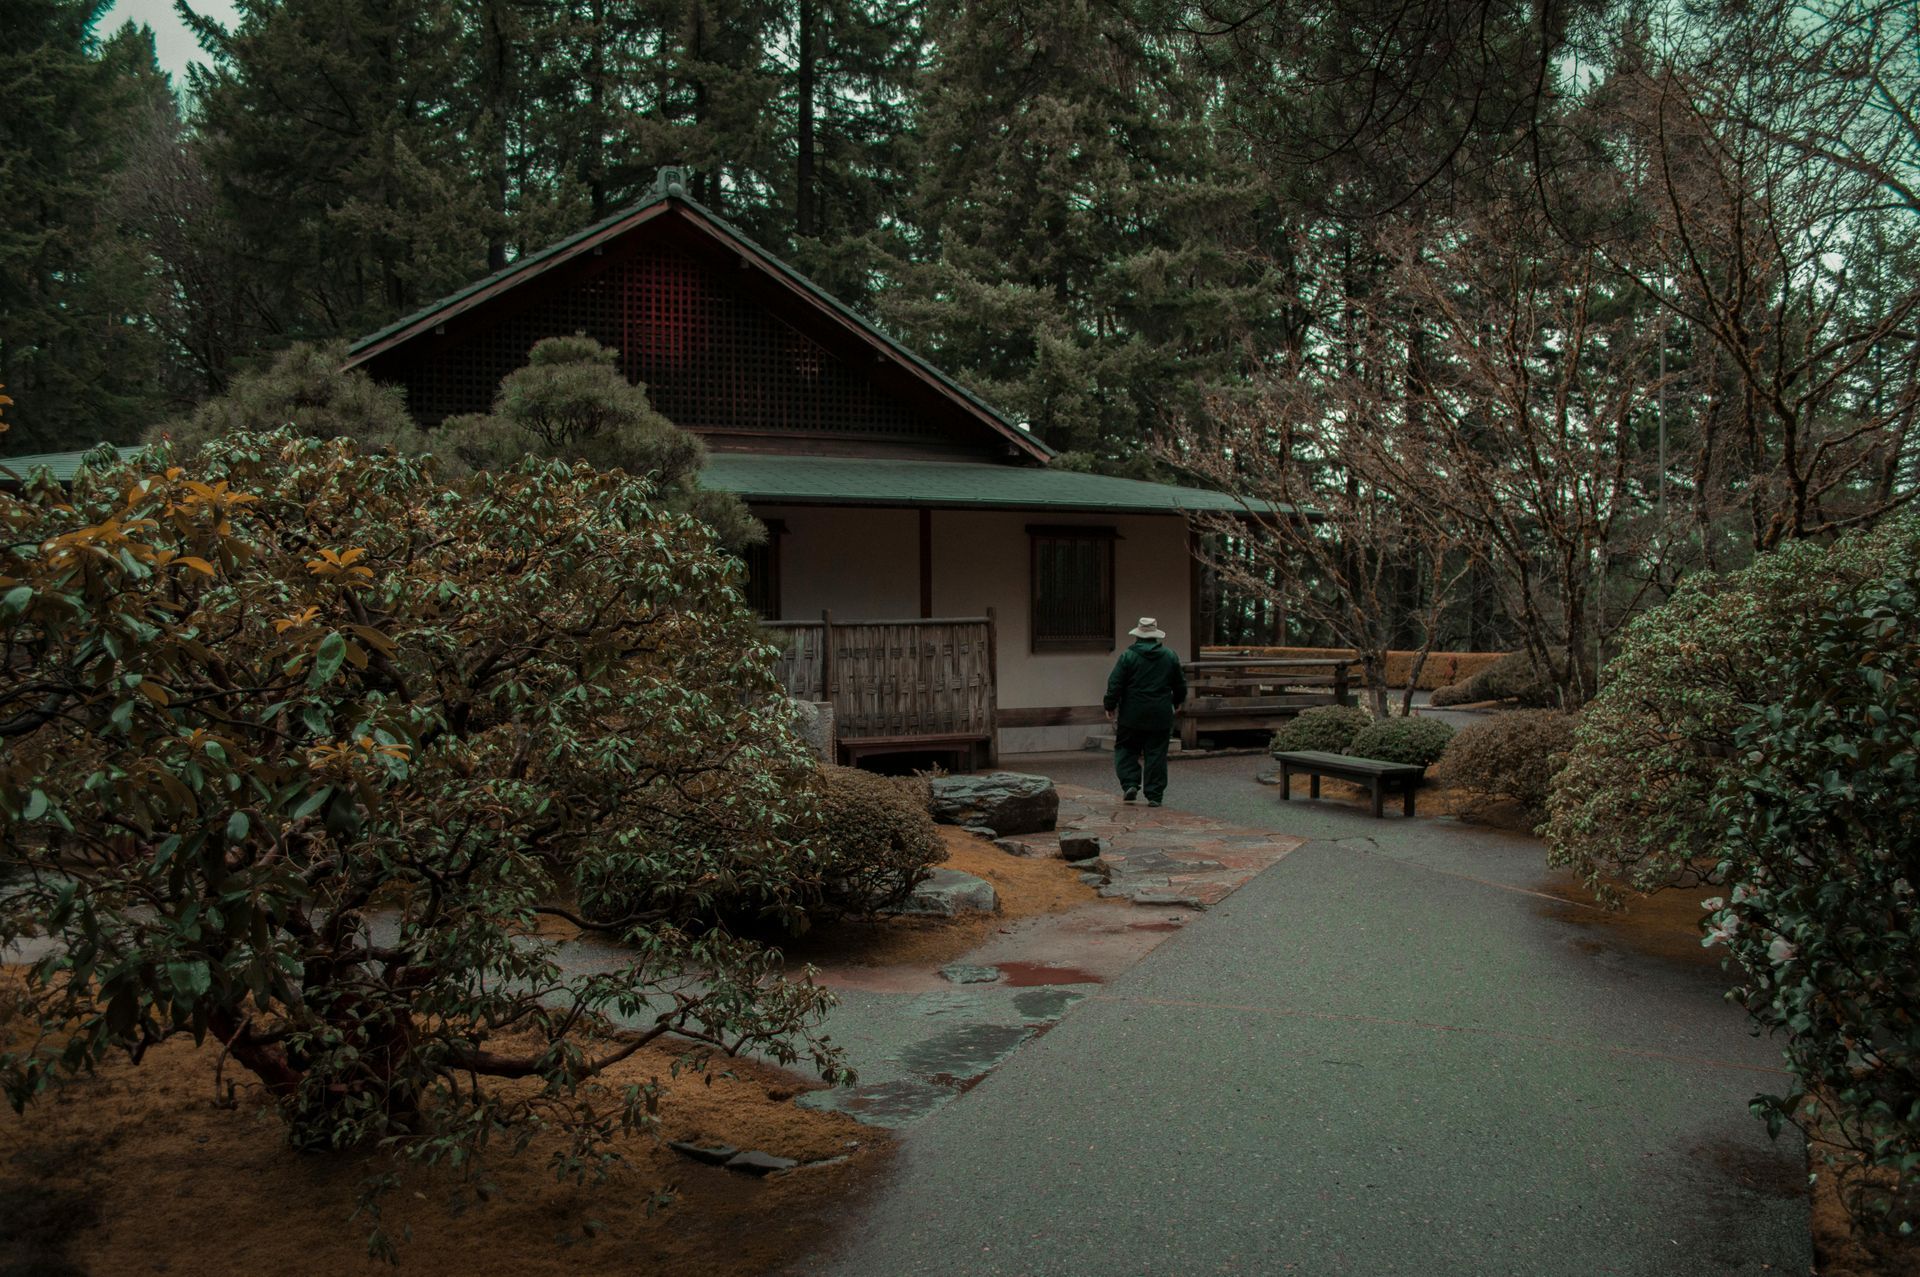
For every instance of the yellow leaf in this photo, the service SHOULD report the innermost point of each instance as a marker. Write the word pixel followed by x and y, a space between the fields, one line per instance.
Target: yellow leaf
pixel 197 564
pixel 154 692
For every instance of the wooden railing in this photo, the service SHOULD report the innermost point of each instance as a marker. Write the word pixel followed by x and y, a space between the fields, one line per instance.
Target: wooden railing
pixel 1239 692
pixel 895 681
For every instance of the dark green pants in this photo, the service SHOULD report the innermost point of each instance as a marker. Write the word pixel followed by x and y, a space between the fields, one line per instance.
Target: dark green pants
pixel 1140 759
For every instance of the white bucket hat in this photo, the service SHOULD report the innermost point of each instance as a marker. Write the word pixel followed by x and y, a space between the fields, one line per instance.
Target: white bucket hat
pixel 1147 629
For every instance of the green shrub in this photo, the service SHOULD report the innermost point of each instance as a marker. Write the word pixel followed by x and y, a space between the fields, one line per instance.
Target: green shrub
pixel 848 842
pixel 1630 811
pixel 1515 756
pixel 1511 678
pixel 1327 729
pixel 1418 741
pixel 1820 803
pixel 308 683
pixel 872 837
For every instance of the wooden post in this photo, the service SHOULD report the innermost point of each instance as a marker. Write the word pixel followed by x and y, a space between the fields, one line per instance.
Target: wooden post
pixel 1195 573
pixel 826 657
pixel 926 563
pixel 993 690
pixel 1342 694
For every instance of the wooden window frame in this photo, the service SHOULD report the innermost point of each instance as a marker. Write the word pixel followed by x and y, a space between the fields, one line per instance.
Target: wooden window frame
pixel 1105 536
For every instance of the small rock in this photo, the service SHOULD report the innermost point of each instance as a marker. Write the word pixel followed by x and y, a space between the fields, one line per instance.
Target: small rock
pixel 1009 802
pixel 965 973
pixel 1078 847
pixel 948 893
pixel 835 1160
pixel 1267 778
pixel 1016 847
pixel 754 1162
pixel 711 1154
pixel 980 831
pixel 1094 880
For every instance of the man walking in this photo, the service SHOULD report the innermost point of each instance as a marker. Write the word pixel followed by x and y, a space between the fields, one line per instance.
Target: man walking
pixel 1146 686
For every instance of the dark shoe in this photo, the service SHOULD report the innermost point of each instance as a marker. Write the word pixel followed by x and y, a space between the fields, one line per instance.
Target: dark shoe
pixel 1129 795
pixel 1153 802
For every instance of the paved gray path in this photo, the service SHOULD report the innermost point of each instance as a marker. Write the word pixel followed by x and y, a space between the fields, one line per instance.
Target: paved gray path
pixel 1383 1055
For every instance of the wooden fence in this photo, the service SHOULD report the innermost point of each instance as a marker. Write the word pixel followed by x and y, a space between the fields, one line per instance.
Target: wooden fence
pixel 896 685
pixel 1241 692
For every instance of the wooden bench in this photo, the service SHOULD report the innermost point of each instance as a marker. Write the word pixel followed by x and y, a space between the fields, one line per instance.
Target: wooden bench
pixel 1379 778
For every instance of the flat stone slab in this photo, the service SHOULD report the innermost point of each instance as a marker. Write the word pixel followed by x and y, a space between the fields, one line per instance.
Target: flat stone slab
pixel 711 1154
pixel 965 973
pixel 948 893
pixel 754 1162
pixel 1018 847
pixel 1159 857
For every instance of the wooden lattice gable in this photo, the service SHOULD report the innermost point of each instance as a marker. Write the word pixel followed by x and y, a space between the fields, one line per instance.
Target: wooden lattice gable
pixel 729 341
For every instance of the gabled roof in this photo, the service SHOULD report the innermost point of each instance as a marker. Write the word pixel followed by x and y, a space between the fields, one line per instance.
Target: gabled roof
pixel 670 199
pixel 872 481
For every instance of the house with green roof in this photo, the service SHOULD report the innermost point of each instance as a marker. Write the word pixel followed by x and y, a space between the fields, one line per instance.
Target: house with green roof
pixel 933 576
pixel 930 573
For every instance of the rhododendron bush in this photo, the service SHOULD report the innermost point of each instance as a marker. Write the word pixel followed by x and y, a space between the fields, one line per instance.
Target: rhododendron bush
pixel 296 748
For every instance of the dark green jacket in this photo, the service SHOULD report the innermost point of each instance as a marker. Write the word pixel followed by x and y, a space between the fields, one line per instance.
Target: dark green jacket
pixel 1145 687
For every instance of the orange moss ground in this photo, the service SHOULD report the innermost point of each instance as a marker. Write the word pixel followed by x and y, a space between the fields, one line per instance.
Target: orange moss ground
pixel 1431 800
pixel 1841 1250
pixel 1027 886
pixel 138 1170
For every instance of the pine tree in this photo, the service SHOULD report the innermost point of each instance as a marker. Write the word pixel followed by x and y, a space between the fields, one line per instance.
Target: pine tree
pixel 1086 251
pixel 74 353
pixel 339 145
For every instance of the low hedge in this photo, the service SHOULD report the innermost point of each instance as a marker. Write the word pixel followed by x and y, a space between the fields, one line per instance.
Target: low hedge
pixel 1327 729
pixel 1418 741
pixel 849 842
pixel 1514 756
pixel 1511 678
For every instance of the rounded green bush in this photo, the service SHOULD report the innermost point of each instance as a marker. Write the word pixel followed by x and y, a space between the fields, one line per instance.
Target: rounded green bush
pixel 1326 729
pixel 1418 741
pixel 1514 755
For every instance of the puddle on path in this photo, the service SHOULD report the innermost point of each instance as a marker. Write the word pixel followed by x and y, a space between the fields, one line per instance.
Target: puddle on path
pixel 895 1103
pixel 1046 1005
pixel 1027 975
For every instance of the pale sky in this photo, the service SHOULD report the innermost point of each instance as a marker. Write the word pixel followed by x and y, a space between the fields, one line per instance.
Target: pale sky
pixel 170 36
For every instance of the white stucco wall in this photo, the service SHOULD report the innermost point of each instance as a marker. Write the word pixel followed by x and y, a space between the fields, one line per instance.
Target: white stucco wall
pixel 865 565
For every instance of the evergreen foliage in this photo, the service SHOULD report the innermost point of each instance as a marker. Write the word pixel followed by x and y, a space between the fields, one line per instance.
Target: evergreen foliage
pixel 1417 741
pixel 570 403
pixel 1326 729
pixel 74 293
pixel 1820 843
pixel 303 743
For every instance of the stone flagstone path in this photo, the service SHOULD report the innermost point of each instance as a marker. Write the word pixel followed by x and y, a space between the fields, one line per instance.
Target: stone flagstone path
pixel 1157 856
pixel 919 1039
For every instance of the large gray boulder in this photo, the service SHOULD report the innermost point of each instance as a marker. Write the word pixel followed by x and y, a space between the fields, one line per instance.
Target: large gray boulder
pixel 1006 802
pixel 948 893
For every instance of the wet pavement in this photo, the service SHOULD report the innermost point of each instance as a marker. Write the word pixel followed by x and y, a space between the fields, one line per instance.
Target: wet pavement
pixel 1394 1050
pixel 920 1039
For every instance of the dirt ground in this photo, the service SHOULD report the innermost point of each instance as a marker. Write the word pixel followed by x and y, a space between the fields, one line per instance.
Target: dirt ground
pixel 122 1173
pixel 1431 800
pixel 138 1170
pixel 1839 1248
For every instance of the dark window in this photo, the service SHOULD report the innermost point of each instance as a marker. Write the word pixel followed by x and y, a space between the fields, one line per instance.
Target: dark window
pixel 1072 589
pixel 763 572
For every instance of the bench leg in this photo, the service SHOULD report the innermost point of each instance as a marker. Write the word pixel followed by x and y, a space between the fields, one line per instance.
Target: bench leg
pixel 1374 786
pixel 1313 786
pixel 1406 808
pixel 1286 782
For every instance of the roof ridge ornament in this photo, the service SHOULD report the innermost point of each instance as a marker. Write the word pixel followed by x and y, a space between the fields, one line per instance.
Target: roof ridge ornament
pixel 671 180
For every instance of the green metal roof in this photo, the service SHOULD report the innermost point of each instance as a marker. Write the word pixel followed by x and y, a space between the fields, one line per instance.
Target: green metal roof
pixel 62 464
pixel 796 480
